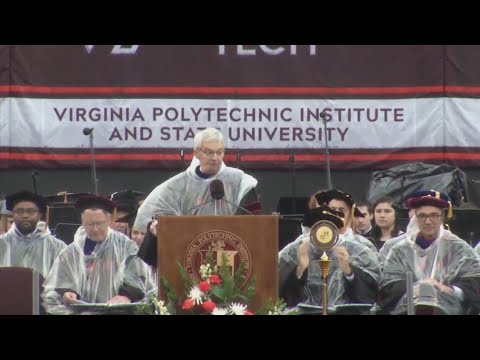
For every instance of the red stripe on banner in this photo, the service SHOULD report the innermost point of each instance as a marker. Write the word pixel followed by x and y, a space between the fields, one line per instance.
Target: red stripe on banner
pixel 354 157
pixel 244 158
pixel 201 90
pixel 474 90
pixel 85 157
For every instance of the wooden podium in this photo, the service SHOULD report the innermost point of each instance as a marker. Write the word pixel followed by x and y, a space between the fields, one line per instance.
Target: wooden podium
pixel 20 288
pixel 247 238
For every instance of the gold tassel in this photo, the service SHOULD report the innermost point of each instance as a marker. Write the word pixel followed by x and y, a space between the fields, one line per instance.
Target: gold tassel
pixel 450 210
pixel 352 216
pixel 47 215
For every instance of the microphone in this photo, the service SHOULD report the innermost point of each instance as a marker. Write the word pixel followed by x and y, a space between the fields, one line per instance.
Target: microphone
pixel 89 132
pixel 35 173
pixel 217 190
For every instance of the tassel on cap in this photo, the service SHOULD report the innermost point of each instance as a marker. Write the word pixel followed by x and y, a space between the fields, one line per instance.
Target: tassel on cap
pixel 450 210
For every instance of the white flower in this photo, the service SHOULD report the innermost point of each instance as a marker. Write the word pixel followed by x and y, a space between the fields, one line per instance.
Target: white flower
pixel 237 309
pixel 205 271
pixel 160 308
pixel 219 311
pixel 196 295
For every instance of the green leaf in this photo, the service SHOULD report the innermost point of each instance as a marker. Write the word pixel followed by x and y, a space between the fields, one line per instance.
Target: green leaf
pixel 218 293
pixel 239 278
pixel 228 288
pixel 171 308
pixel 270 306
pixel 249 290
pixel 172 296
pixel 210 259
pixel 188 283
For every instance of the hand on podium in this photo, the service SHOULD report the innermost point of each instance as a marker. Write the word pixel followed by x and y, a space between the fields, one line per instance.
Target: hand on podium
pixel 70 298
pixel 153 227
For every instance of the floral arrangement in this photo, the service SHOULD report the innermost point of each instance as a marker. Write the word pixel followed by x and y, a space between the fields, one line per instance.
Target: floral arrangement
pixel 218 293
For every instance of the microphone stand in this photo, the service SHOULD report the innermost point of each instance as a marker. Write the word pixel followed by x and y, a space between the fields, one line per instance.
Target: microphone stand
pixel 94 170
pixel 292 172
pixel 402 184
pixel 410 305
pixel 34 179
pixel 238 207
pixel 327 153
pixel 182 156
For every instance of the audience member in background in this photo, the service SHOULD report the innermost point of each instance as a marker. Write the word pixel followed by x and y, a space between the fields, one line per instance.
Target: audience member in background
pixel 386 219
pixel 25 245
pixel 100 266
pixel 363 225
pixel 138 236
pixel 445 269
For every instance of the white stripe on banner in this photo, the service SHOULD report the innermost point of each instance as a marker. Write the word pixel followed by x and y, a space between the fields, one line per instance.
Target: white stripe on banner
pixel 246 124
pixel 462 127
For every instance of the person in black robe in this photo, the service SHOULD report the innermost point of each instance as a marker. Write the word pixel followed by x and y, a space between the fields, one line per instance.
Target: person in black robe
pixel 354 272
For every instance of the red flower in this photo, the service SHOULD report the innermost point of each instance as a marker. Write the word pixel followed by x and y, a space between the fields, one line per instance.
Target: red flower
pixel 187 304
pixel 204 286
pixel 248 312
pixel 209 305
pixel 215 280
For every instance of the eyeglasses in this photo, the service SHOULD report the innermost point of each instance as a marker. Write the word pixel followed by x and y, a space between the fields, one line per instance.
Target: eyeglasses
pixel 433 217
pixel 95 224
pixel 28 211
pixel 210 153
pixel 343 210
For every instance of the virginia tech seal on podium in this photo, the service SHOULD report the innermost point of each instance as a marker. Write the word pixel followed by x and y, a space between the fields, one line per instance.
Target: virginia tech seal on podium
pixel 224 244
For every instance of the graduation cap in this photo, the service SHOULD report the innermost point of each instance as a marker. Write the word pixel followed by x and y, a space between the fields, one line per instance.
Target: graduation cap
pixel 324 212
pixel 325 197
pixel 95 202
pixel 119 196
pixel 429 198
pixel 129 218
pixel 127 202
pixel 24 195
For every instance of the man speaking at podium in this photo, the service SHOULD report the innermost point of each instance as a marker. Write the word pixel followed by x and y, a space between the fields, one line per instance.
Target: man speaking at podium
pixel 188 193
pixel 195 191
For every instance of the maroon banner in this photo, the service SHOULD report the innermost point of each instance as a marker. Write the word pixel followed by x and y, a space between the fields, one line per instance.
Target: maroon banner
pixel 226 65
